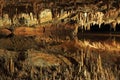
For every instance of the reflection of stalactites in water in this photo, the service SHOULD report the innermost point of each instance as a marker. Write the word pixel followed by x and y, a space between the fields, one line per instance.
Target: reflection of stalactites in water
pixel 11 66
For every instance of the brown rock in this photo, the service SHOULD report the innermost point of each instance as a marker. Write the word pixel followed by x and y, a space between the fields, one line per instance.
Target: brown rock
pixel 5 32
pixel 24 31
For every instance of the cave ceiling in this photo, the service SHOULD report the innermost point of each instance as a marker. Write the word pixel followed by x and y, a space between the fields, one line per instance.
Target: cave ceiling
pixel 83 5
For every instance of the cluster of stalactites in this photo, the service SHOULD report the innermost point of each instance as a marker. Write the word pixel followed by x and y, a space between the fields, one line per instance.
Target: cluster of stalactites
pixel 19 19
pixel 87 19
pixel 29 19
pixel 112 17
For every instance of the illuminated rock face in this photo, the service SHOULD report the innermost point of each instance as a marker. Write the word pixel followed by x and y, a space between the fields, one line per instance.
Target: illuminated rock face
pixel 45 16
pixel 5 21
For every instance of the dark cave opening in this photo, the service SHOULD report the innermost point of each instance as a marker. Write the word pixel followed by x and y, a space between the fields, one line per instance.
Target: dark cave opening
pixel 104 28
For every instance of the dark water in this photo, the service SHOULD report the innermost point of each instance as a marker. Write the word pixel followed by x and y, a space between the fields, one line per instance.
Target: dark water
pixel 17 43
pixel 99 36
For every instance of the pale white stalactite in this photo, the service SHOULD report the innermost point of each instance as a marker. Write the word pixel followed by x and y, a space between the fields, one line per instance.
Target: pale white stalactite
pixel 92 18
pixel 113 24
pixel 82 22
pixel 118 20
pixel 85 17
pixel 35 21
pixel 93 22
pixel 58 15
pixel 68 13
pixel 88 26
pixel 28 20
pixel 85 14
pixel 81 16
pixel 31 16
pixel 86 21
pixel 96 18
pixel 99 18
pixel 89 17
pixel 15 20
pixel 99 25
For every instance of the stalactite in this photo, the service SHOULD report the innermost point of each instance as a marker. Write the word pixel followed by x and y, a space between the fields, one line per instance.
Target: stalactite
pixel 31 16
pixel 88 26
pixel 113 25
